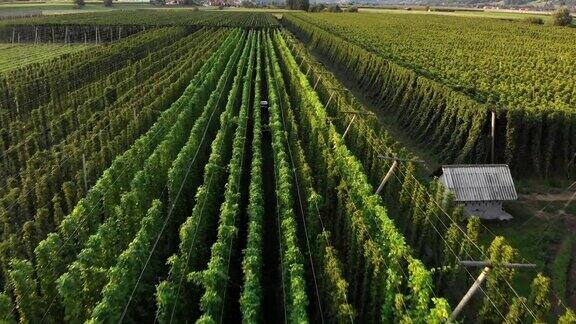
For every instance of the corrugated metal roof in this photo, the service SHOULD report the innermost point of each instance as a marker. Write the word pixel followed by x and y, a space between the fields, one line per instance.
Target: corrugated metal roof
pixel 479 182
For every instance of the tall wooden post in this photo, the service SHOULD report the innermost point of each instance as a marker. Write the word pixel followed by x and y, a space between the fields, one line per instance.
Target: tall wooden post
pixel 488 265
pixel 493 136
pixel 469 294
pixel 84 172
pixel 348 128
pixel 392 169
pixel 387 177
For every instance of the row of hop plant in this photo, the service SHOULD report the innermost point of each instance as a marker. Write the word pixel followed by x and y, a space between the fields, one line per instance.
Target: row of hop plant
pixel 154 18
pixel 536 142
pixel 177 296
pixel 81 285
pixel 420 209
pixel 214 280
pixel 61 248
pixel 56 179
pixel 375 234
pixel 252 263
pixel 296 299
pixel 326 280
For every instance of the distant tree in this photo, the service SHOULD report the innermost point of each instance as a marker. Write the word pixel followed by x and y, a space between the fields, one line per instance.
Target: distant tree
pixel 107 3
pixel 352 9
pixel 248 4
pixel 317 7
pixel 334 8
pixel 79 3
pixel 534 20
pixel 561 17
pixel 298 4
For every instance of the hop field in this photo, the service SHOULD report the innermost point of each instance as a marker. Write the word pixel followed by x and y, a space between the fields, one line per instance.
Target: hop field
pixel 526 66
pixel 214 171
pixel 437 73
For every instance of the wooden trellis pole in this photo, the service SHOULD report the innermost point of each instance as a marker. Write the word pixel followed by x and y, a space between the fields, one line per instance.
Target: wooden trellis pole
pixel 493 136
pixel 355 113
pixel 481 278
pixel 392 169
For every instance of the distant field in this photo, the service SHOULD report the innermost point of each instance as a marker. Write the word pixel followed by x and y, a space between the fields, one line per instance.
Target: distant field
pixel 462 13
pixel 13 56
pixel 164 17
pixel 53 8
pixel 528 65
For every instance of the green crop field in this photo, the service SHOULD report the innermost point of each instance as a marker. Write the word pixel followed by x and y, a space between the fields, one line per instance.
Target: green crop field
pixel 524 74
pixel 212 166
pixel 13 56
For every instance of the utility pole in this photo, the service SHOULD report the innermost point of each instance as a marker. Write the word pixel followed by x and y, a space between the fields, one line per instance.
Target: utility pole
pixel 488 265
pixel 392 169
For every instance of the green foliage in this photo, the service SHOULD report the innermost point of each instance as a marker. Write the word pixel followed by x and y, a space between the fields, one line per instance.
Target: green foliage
pixel 561 17
pixel 103 247
pixel 60 248
pixel 371 230
pixel 176 297
pixel 561 265
pixel 22 281
pixel 517 311
pixel 539 301
pixel 6 315
pixel 410 77
pixel 159 18
pixel 568 318
pixel 317 7
pixel 500 277
pixel 215 279
pixel 125 275
pixel 252 263
pixel 534 20
pixel 291 256
pixel 298 4
pixel 334 8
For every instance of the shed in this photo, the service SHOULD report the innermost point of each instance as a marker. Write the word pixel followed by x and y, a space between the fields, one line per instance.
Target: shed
pixel 481 188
